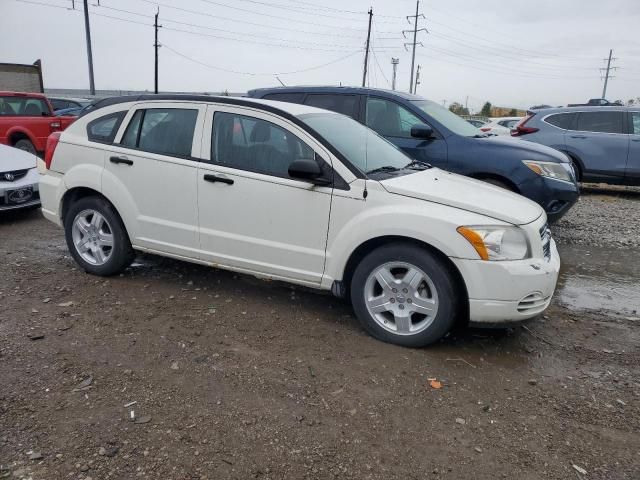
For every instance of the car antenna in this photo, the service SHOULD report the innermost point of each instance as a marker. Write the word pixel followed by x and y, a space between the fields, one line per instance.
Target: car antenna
pixel 281 82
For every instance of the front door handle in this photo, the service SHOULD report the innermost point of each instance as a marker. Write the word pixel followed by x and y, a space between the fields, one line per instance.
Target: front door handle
pixel 121 159
pixel 215 178
pixel 578 136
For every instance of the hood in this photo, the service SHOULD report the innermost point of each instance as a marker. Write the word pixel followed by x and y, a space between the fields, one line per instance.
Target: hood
pixel 438 186
pixel 15 159
pixel 534 149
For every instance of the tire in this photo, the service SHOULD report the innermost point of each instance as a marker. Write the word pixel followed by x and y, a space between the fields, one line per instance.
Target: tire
pixel 91 226
pixel 498 183
pixel 383 313
pixel 26 145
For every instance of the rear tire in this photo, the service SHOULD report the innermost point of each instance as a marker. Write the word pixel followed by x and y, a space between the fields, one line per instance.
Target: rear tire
pixel 26 145
pixel 405 295
pixel 96 237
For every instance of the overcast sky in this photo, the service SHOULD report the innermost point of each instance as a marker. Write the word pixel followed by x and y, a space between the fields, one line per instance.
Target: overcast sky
pixel 510 53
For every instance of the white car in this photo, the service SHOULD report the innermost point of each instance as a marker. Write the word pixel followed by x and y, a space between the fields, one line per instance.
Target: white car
pixel 18 179
pixel 501 125
pixel 299 194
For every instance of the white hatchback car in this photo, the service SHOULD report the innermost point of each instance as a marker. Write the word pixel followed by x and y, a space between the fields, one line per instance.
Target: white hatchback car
pixel 299 194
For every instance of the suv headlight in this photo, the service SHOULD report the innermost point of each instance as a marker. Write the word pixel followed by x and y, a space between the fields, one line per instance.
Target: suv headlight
pixel 497 243
pixel 557 171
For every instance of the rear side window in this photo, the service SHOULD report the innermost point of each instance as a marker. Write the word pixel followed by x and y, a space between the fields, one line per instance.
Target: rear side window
pixel 103 129
pixel 603 122
pixel 345 104
pixel 285 97
pixel 635 120
pixel 561 120
pixel 23 106
pixel 167 131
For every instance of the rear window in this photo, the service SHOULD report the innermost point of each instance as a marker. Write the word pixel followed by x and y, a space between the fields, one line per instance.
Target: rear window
pixel 285 97
pixel 344 104
pixel 602 122
pixel 561 120
pixel 103 129
pixel 23 106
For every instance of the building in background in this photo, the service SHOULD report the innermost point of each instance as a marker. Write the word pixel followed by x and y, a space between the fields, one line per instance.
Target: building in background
pixel 16 77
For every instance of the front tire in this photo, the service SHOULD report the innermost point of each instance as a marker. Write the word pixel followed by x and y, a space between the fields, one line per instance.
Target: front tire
pixel 96 237
pixel 404 294
pixel 26 145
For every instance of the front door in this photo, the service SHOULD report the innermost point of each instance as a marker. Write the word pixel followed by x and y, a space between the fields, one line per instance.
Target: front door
pixel 394 122
pixel 253 217
pixel 150 170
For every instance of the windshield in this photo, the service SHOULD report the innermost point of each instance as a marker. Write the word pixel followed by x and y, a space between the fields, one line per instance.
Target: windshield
pixel 446 118
pixel 360 145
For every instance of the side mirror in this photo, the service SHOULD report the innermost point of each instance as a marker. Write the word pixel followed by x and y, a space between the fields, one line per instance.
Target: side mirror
pixel 422 131
pixel 308 169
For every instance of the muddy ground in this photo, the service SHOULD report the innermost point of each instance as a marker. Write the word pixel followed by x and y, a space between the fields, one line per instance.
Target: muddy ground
pixel 235 377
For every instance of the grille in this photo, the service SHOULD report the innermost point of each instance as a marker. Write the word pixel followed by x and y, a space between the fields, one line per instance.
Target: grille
pixel 545 236
pixel 13 175
pixel 533 303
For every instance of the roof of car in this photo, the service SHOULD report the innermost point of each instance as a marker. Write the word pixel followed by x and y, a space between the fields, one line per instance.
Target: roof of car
pixel 22 94
pixel 334 89
pixel 585 108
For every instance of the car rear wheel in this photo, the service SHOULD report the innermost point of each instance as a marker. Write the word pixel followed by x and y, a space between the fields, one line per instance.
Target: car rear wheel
pixel 26 145
pixel 404 294
pixel 96 237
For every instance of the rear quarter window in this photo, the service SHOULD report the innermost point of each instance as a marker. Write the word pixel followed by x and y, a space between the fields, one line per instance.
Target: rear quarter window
pixel 103 129
pixel 561 120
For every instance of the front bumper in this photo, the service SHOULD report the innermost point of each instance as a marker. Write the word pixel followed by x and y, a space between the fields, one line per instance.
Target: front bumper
pixel 8 198
pixel 556 197
pixel 510 291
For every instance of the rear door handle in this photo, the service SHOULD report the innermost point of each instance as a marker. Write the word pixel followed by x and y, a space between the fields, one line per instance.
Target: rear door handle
pixel 215 178
pixel 122 159
pixel 578 136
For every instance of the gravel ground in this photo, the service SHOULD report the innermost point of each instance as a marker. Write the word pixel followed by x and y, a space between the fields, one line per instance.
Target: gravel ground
pixel 229 377
pixel 604 216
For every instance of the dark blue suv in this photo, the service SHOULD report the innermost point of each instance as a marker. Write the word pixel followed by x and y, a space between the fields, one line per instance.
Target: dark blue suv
pixel 430 133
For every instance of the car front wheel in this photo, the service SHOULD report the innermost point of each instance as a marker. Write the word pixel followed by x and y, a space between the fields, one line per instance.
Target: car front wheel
pixel 404 294
pixel 96 237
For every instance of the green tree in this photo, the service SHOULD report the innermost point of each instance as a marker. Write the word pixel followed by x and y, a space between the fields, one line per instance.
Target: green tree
pixel 486 109
pixel 458 109
pixel 513 112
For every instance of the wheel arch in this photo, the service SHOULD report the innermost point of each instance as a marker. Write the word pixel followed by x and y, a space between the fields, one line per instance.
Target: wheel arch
pixel 496 176
pixel 370 245
pixel 17 133
pixel 577 163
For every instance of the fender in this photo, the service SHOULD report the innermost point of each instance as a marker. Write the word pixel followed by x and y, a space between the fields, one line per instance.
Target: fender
pixel 17 129
pixel 124 203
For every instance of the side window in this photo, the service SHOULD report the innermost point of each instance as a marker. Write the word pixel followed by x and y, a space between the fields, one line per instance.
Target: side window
pixel 285 97
pixel 345 104
pixel 561 120
pixel 635 119
pixel 167 131
pixel 603 122
pixel 248 143
pixel 104 129
pixel 59 104
pixel 390 119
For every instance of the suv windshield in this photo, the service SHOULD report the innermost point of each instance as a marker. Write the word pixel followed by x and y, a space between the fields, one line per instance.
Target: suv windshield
pixel 360 145
pixel 446 118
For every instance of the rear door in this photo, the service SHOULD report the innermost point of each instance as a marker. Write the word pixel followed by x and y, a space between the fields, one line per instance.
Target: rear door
pixel 394 122
pixel 151 170
pixel 633 161
pixel 600 142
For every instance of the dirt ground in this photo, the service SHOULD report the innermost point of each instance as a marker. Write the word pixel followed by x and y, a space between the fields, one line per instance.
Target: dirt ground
pixel 234 377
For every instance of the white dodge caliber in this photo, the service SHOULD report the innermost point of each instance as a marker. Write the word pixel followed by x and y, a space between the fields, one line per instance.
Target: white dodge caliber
pixel 298 194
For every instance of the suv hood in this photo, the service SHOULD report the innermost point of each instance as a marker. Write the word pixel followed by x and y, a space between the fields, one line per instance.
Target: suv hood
pixel 438 186
pixel 535 151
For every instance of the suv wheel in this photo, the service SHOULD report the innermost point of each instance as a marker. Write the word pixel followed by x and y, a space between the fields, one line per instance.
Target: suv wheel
pixel 405 295
pixel 96 237
pixel 25 145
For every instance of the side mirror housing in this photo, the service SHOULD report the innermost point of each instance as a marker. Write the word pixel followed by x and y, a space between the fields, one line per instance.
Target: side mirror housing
pixel 422 131
pixel 309 170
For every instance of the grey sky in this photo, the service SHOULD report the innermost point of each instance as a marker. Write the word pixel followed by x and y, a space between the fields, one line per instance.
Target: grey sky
pixel 510 53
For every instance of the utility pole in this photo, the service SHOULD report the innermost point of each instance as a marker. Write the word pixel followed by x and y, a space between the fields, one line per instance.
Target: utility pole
pixel 466 104
pixel 87 31
pixel 415 87
pixel 366 53
pixel 415 42
pixel 607 75
pixel 394 62
pixel 156 45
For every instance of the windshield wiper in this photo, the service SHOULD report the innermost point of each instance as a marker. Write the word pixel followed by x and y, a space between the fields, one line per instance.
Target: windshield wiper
pixel 386 168
pixel 417 164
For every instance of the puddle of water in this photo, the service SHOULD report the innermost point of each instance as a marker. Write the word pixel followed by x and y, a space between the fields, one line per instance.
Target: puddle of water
pixel 600 279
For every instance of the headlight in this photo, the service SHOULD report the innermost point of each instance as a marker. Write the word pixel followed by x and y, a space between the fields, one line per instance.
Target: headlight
pixel 497 243
pixel 557 171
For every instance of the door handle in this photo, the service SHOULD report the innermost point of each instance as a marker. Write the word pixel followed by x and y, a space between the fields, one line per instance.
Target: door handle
pixel 578 136
pixel 122 159
pixel 215 178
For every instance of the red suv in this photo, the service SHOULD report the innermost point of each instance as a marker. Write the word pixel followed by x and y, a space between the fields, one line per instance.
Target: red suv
pixel 27 119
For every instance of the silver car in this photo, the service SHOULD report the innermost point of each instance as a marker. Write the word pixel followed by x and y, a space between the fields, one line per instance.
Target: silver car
pixel 602 142
pixel 18 179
